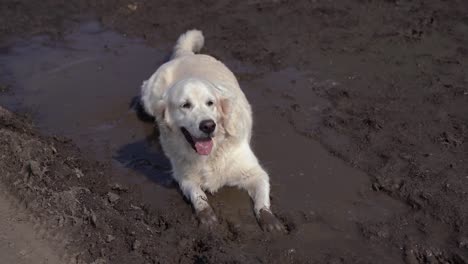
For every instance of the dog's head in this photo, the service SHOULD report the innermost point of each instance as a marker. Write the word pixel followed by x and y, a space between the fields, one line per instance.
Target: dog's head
pixel 196 110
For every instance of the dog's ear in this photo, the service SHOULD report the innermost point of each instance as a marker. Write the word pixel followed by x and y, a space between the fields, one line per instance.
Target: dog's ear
pixel 154 89
pixel 154 98
pixel 162 113
pixel 225 104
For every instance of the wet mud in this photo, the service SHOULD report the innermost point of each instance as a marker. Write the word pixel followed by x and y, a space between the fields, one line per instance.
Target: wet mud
pixel 362 129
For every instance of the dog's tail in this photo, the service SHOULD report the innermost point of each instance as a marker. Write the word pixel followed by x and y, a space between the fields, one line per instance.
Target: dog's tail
pixel 188 43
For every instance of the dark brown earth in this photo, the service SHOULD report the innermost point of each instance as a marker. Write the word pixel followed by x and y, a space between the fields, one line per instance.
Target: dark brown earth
pixel 381 85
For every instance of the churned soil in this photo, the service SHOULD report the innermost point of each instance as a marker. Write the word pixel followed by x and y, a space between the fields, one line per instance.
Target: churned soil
pixel 382 86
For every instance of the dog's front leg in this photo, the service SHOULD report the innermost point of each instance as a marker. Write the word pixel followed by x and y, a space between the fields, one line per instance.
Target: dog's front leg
pixel 199 201
pixel 257 185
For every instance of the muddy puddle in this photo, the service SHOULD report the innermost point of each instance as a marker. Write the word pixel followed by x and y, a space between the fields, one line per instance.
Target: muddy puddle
pixel 83 88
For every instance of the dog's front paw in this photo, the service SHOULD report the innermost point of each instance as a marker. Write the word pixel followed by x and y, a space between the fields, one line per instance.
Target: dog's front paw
pixel 268 222
pixel 207 217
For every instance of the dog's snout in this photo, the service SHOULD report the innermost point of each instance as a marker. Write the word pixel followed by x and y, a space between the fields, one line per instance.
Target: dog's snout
pixel 207 126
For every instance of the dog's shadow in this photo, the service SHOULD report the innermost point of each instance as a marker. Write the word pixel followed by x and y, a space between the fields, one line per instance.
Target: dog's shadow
pixel 146 156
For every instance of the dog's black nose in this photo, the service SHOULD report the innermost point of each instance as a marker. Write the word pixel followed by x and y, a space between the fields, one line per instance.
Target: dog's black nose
pixel 207 126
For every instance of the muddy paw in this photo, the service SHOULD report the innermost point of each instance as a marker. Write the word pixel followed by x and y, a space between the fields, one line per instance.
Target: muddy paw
pixel 207 217
pixel 269 222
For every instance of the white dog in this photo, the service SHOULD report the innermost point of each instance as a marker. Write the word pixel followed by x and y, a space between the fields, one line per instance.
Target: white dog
pixel 205 125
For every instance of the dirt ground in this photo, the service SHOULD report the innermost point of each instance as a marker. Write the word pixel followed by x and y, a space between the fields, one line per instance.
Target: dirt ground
pixel 20 242
pixel 361 112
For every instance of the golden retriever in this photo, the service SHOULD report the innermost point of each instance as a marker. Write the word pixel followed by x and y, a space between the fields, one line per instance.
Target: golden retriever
pixel 205 124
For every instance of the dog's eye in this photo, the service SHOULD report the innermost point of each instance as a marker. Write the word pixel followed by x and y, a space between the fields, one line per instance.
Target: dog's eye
pixel 209 103
pixel 187 105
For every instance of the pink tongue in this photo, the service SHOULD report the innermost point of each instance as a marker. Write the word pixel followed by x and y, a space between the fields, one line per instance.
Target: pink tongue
pixel 204 147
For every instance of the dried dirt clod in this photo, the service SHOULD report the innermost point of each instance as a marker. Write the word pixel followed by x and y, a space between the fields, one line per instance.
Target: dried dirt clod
pixel 112 197
pixel 79 174
pixel 118 187
pixel 463 242
pixel 132 7
pixel 134 207
pixel 136 245
pixel 34 168
pixel 110 238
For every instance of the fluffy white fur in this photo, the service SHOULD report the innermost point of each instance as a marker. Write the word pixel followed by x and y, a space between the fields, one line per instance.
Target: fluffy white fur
pixel 199 79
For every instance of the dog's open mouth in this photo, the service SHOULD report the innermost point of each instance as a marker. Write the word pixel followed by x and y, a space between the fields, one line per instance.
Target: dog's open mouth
pixel 202 146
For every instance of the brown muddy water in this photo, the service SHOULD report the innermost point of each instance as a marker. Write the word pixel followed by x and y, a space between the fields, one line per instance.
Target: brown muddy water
pixel 84 88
